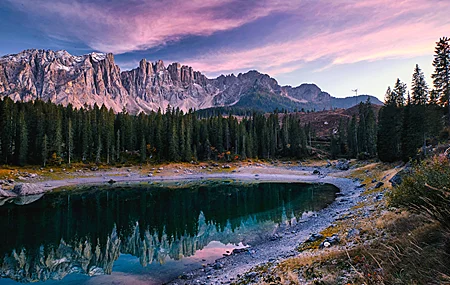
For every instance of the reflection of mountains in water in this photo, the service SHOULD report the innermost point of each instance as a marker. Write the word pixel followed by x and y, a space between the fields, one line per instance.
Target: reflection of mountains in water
pixel 86 231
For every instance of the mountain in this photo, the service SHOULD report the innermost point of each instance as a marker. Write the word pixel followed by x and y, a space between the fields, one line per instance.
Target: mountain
pixel 95 79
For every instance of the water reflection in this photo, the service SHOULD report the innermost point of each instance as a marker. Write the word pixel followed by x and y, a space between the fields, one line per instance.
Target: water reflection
pixel 86 231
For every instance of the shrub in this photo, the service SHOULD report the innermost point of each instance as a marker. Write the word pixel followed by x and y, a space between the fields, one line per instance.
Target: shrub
pixel 427 190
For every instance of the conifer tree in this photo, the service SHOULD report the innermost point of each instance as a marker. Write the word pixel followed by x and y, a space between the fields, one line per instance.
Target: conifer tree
pixel 69 142
pixel 397 95
pixel 390 126
pixel 441 75
pixel 419 87
pixel 44 152
pixel 22 139
pixel 143 150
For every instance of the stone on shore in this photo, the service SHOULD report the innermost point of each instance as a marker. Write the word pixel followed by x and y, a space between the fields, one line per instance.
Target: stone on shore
pixel 25 189
pixel 7 194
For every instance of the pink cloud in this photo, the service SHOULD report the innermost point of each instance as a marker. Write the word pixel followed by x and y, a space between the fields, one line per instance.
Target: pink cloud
pixel 139 25
pixel 388 29
pixel 339 32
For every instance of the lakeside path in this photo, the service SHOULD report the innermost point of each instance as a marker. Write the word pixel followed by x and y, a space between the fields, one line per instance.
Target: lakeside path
pixel 247 173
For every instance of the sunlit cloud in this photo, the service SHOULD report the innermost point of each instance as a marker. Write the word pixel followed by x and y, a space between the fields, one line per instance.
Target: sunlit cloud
pixel 292 36
pixel 125 26
pixel 398 30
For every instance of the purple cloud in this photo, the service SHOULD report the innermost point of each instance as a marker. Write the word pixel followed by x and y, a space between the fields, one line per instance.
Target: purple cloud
pixel 124 26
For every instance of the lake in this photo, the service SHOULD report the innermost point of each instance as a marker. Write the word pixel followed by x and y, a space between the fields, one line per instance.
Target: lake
pixel 144 233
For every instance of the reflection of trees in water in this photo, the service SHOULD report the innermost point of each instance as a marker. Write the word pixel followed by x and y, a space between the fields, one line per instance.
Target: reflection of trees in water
pixel 85 231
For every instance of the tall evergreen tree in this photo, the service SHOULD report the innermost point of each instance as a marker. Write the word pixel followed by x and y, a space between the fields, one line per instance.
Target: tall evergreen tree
pixel 441 75
pixel 390 126
pixel 397 95
pixel 22 139
pixel 419 87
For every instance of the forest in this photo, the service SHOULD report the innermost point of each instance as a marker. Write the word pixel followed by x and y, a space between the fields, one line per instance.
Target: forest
pixel 43 133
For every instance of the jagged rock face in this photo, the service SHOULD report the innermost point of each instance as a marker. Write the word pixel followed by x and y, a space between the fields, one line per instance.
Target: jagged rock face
pixel 95 79
pixel 155 86
pixel 63 78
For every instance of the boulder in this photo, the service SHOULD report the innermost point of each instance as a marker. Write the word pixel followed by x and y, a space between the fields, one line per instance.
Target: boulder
pixel 314 237
pixel 27 189
pixel 397 179
pixel 330 241
pixel 7 194
pixel 379 184
pixel 343 165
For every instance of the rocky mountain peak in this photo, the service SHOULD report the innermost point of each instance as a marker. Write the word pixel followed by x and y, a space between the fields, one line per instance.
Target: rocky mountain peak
pixel 94 78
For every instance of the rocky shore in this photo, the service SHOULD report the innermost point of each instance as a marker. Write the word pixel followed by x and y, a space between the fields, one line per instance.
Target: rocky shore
pixel 239 266
pixel 283 243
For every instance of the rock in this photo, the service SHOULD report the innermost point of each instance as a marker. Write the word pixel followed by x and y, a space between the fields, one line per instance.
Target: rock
pixel 343 165
pixel 352 233
pixel 330 241
pixel 397 179
pixel 374 180
pixel 27 189
pixel 316 171
pixel 51 170
pixel 218 266
pixel 275 237
pixel 150 175
pixel 239 250
pixel 7 194
pixel 251 275
pixel 379 184
pixel 361 185
pixel 314 237
pixel 111 181
pixel 379 196
pixel 161 168
pixel 226 166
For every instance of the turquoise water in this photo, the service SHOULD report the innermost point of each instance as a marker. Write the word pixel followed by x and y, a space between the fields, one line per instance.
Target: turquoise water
pixel 149 234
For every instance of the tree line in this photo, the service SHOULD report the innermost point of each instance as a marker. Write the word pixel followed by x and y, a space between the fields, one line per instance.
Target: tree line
pixel 41 133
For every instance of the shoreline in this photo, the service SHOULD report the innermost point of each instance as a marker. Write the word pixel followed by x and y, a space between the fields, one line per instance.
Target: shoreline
pixel 283 243
pixel 280 245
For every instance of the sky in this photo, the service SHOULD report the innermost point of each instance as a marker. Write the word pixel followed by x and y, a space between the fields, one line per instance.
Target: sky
pixel 340 45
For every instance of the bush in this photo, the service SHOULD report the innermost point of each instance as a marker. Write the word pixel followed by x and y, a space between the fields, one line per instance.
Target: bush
pixel 427 190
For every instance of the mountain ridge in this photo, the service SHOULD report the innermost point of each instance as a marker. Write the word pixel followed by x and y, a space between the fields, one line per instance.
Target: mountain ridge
pixel 94 78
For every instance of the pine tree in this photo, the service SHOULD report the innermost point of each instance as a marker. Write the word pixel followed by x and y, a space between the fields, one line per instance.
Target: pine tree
pixel 174 145
pixel 143 150
pixel 390 127
pixel 419 87
pixel 69 141
pixel 441 75
pixel 397 95
pixel 22 139
pixel 44 152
